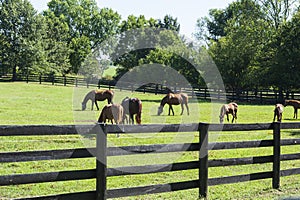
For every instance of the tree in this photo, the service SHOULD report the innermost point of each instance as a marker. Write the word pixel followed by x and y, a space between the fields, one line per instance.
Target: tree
pixel 18 35
pixel 244 35
pixel 285 74
pixel 137 38
pixel 88 26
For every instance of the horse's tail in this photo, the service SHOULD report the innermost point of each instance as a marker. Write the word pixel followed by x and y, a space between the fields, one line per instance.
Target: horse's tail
pixel 111 95
pixel 101 117
pixel 185 98
pixel 138 117
pixel 117 111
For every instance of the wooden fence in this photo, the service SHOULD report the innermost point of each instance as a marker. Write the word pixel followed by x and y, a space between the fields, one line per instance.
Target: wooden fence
pixel 266 96
pixel 101 172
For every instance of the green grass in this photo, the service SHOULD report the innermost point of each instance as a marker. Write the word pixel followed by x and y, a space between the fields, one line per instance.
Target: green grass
pixel 22 103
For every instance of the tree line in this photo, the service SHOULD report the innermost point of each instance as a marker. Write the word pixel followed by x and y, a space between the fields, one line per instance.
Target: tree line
pixel 254 43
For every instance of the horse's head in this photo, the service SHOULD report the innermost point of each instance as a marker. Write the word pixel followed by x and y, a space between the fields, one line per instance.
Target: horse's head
pixel 160 110
pixel 221 119
pixel 138 119
pixel 83 105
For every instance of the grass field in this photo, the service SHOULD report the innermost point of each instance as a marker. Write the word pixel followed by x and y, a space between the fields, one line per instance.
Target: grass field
pixel 22 103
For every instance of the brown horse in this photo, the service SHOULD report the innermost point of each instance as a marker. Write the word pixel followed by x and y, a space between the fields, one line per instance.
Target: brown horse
pixel 278 112
pixel 295 104
pixel 97 95
pixel 174 99
pixel 227 109
pixel 132 106
pixel 112 112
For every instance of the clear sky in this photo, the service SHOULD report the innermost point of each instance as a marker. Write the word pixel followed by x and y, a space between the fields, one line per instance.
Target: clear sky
pixel 187 12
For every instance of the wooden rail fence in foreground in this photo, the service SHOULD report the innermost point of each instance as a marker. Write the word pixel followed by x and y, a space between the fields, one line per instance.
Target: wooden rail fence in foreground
pixel 102 151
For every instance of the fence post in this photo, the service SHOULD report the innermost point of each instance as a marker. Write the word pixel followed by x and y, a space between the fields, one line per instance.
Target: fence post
pixel 276 154
pixel 203 160
pixel 65 80
pixel 53 79
pixel 101 160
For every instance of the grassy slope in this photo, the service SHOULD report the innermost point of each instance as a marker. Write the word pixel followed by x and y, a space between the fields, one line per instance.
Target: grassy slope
pixel 46 104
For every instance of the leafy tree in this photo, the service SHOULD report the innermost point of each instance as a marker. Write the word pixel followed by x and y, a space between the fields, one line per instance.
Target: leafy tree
pixel 138 37
pixel 88 26
pixel 234 53
pixel 286 73
pixel 18 35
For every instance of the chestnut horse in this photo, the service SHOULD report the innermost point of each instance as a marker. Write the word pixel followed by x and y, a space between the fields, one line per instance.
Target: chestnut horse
pixel 174 99
pixel 227 109
pixel 278 112
pixel 295 104
pixel 132 106
pixel 112 112
pixel 97 95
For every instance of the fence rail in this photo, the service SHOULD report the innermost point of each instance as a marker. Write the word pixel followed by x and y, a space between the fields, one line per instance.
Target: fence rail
pixel 252 96
pixel 102 152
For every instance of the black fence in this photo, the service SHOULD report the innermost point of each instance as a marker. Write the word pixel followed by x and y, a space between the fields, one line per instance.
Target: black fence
pixel 102 152
pixel 254 96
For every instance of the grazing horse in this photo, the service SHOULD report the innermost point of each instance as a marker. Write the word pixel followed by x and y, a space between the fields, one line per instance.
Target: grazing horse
pixel 174 99
pixel 132 106
pixel 97 95
pixel 295 104
pixel 227 109
pixel 112 112
pixel 278 112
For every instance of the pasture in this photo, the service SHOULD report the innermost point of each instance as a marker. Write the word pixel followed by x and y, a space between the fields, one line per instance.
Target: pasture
pixel 22 103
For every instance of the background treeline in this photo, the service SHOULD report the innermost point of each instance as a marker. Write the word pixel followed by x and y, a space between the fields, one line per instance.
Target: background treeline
pixel 254 43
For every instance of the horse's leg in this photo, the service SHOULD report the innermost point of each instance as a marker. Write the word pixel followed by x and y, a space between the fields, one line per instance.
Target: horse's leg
pixel 131 118
pixel 92 105
pixel 227 117
pixel 172 109
pixel 96 104
pixel 169 109
pixel 296 113
pixel 187 108
pixel 182 109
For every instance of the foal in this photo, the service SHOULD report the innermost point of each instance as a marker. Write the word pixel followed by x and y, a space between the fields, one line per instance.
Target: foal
pixel 112 112
pixel 295 104
pixel 227 109
pixel 278 112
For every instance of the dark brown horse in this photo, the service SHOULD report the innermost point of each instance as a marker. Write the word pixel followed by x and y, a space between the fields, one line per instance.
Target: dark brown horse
pixel 227 109
pixel 278 112
pixel 174 99
pixel 295 104
pixel 97 95
pixel 132 106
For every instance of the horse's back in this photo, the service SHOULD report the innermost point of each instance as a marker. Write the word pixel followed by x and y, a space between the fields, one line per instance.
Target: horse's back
pixel 176 99
pixel 293 102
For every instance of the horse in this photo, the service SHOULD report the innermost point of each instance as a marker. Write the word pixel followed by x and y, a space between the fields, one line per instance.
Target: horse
pixel 97 95
pixel 227 109
pixel 132 106
pixel 174 99
pixel 112 112
pixel 295 104
pixel 278 112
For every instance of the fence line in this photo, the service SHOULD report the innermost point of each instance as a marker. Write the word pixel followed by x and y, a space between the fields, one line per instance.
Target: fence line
pixel 252 96
pixel 101 172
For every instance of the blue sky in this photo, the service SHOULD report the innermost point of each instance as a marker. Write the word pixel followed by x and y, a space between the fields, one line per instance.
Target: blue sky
pixel 187 12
